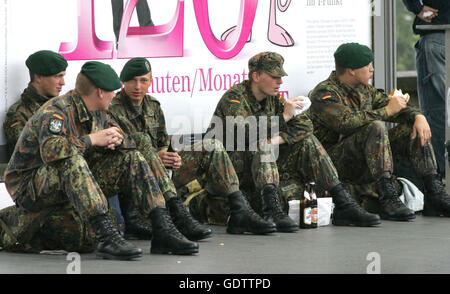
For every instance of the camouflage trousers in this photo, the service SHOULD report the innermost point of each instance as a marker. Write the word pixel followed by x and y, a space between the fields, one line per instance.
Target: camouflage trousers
pixel 68 193
pixel 60 228
pixel 210 169
pixel 300 163
pixel 144 145
pixel 305 162
pixel 373 149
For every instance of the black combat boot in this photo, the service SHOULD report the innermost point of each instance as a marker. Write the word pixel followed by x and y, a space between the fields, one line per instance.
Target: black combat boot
pixel 166 238
pixel 111 244
pixel 347 212
pixel 437 201
pixel 136 226
pixel 272 210
pixel 391 207
pixel 184 221
pixel 244 219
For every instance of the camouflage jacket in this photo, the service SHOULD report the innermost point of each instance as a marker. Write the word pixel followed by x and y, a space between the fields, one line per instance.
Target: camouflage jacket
pixel 338 110
pixel 240 101
pixel 149 122
pixel 19 113
pixel 59 130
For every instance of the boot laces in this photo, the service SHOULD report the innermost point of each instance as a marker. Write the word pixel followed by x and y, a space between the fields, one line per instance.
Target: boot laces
pixel 438 190
pixel 185 213
pixel 275 206
pixel 171 227
pixel 113 233
pixel 347 202
pixel 250 210
pixel 392 196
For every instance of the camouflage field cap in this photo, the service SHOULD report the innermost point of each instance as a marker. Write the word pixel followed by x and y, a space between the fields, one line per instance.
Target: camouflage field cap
pixel 46 63
pixel 269 62
pixel 135 67
pixel 102 75
pixel 353 55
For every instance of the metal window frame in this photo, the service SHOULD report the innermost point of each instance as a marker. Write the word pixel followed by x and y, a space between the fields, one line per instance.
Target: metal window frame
pixel 385 46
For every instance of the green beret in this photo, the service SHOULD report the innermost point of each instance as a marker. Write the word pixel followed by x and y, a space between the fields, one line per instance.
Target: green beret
pixel 353 55
pixel 102 75
pixel 269 62
pixel 46 63
pixel 135 67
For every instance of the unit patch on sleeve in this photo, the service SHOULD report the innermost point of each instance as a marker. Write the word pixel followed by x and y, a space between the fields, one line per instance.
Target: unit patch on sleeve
pixel 55 125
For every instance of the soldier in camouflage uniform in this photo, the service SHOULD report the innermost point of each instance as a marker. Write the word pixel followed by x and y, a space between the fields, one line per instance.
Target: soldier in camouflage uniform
pixel 70 157
pixel 141 116
pixel 47 71
pixel 349 115
pixel 301 156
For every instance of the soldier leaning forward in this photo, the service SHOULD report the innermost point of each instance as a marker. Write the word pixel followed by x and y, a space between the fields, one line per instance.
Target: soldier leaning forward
pixel 349 114
pixel 70 157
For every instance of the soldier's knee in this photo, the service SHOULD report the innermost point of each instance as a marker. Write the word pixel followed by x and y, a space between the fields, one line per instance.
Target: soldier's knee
pixel 74 160
pixel 134 155
pixel 310 142
pixel 213 145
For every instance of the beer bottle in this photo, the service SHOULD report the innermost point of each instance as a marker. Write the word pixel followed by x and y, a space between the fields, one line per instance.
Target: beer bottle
pixel 314 208
pixel 305 210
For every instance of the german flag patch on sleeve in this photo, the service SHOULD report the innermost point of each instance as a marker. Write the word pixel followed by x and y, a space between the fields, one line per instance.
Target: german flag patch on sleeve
pixel 326 96
pixel 14 124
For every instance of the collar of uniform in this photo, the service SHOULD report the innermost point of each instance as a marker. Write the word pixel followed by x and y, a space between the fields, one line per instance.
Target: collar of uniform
pixel 80 106
pixel 251 99
pixel 341 85
pixel 129 108
pixel 31 95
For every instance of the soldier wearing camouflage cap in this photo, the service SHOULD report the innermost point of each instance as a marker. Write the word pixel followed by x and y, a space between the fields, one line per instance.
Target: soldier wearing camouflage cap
pixel 71 156
pixel 301 159
pixel 348 116
pixel 141 116
pixel 47 70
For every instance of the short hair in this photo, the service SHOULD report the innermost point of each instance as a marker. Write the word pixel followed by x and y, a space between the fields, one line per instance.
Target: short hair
pixel 84 85
pixel 250 74
pixel 340 70
pixel 31 76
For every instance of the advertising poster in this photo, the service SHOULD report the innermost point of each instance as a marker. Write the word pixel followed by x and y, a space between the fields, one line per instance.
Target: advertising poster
pixel 197 48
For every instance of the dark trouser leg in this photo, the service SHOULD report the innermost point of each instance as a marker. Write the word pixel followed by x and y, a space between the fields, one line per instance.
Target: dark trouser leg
pixel 437 201
pixel 430 61
pixel 143 13
pixel 117 12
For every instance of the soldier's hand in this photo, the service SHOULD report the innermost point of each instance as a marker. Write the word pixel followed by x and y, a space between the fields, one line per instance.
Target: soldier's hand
pixel 395 105
pixel 170 159
pixel 109 138
pixel 290 105
pixel 428 13
pixel 422 129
